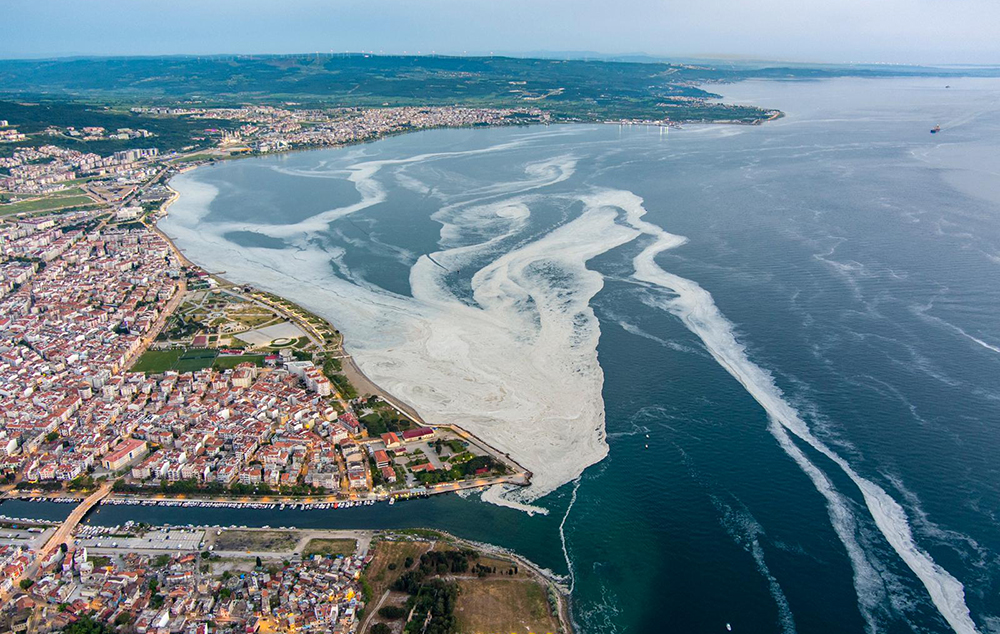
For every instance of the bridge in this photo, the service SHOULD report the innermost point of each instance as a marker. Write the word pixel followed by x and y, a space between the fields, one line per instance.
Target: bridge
pixel 63 534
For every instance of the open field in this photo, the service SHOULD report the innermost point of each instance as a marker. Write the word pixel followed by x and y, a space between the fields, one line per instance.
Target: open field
pixel 226 362
pixel 503 605
pixel 195 157
pixel 156 361
pixel 321 546
pixel 189 360
pixel 194 359
pixel 46 203
pixel 391 552
pixel 257 541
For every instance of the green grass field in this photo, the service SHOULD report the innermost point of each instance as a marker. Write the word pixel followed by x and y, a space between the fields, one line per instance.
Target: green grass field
pixel 190 360
pixel 47 203
pixel 156 361
pixel 224 363
pixel 195 157
pixel 195 359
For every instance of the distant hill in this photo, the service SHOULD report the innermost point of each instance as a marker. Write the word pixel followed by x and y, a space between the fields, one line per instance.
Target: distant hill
pixel 570 89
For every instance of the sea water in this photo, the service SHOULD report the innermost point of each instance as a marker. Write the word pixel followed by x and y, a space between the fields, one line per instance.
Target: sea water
pixel 754 370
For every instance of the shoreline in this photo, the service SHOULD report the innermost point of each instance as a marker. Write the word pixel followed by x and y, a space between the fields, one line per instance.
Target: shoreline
pixel 556 583
pixel 352 371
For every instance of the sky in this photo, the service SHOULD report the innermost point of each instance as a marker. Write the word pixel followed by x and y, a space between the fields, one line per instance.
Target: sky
pixel 894 31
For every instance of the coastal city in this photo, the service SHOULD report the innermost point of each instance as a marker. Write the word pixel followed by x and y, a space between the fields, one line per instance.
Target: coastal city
pixel 130 376
pixel 451 317
pixel 48 175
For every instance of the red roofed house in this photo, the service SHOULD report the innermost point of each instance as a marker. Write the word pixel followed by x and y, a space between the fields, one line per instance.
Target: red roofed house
pixel 418 433
pixel 350 421
pixel 388 474
pixel 125 453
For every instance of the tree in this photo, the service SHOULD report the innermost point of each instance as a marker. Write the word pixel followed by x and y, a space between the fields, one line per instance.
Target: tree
pixel 381 628
pixel 260 564
pixel 26 583
pixel 87 625
pixel 392 612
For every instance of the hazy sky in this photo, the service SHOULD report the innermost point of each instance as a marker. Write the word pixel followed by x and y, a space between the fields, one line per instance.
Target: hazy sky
pixel 915 31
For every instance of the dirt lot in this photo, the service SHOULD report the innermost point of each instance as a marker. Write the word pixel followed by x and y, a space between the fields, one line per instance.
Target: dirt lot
pixel 330 547
pixel 503 605
pixel 257 541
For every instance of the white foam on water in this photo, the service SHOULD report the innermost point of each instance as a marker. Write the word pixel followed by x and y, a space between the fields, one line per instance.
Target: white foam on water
pixel 697 310
pixel 562 536
pixel 922 312
pixel 516 364
pixel 746 532
pixel 500 495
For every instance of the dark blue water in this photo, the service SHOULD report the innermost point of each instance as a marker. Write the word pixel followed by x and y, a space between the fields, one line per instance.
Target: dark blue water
pixel 856 259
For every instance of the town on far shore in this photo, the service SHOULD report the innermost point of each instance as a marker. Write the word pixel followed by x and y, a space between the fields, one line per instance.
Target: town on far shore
pixel 130 376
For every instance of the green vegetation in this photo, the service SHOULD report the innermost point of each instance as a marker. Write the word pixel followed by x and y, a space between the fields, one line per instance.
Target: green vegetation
pixel 32 117
pixel 332 368
pixel 195 157
pixel 156 361
pixel 424 533
pixel 231 361
pixel 100 561
pixel 462 470
pixel 88 625
pixel 83 482
pixel 392 612
pixel 190 360
pixel 569 89
pixel 194 359
pixel 44 485
pixel 45 203
pixel 257 540
pixel 215 489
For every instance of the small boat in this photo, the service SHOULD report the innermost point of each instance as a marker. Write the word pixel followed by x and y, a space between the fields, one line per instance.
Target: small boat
pixel 935 129
pixel 729 628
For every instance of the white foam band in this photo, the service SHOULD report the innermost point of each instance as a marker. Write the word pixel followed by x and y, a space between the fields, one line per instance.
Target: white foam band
pixel 697 310
pixel 518 365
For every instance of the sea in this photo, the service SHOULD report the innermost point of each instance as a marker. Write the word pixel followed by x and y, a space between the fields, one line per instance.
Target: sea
pixel 755 370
